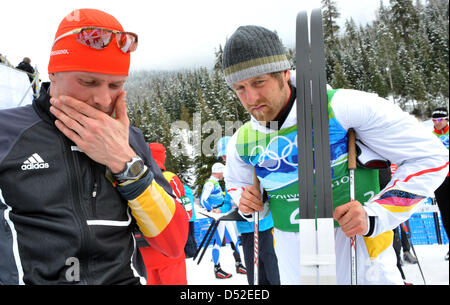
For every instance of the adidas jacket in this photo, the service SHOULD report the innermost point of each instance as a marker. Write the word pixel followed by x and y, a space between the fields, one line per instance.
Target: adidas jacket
pixel 62 221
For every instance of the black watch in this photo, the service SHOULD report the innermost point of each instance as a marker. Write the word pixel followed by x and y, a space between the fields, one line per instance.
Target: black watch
pixel 133 170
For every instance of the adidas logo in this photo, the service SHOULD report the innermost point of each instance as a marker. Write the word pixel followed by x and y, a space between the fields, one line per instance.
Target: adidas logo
pixel 34 162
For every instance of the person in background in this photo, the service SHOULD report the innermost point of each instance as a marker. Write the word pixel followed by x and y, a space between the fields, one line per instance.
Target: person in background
pixel 440 121
pixel 25 65
pixel 161 269
pixel 213 200
pixel 191 246
pixel 268 273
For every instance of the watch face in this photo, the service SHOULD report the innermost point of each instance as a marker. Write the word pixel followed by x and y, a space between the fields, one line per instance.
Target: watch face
pixel 135 168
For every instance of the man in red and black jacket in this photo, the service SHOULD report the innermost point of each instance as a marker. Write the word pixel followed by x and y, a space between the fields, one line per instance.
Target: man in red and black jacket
pixel 162 269
pixel 75 179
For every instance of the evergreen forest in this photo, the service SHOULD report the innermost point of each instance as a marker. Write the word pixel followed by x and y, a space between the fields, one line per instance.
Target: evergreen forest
pixel 402 55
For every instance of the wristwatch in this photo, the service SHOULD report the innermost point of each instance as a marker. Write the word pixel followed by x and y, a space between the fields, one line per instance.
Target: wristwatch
pixel 133 170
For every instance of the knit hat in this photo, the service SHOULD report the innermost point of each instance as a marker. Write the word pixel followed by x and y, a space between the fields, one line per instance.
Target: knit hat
pixel 440 112
pixel 69 55
pixel 252 51
pixel 217 168
pixel 159 154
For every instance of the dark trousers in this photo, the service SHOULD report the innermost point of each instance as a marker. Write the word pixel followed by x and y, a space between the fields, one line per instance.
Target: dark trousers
pixel 268 264
pixel 441 195
pixel 191 246
pixel 400 241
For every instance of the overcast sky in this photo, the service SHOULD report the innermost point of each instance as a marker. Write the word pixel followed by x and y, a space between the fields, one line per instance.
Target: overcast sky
pixel 173 34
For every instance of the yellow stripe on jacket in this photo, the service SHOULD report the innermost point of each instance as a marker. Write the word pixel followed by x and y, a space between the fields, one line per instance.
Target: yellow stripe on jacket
pixel 153 210
pixel 376 245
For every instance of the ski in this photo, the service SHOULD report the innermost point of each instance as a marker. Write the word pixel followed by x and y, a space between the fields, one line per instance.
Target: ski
pixel 436 221
pixel 208 236
pixel 317 251
pixel 408 234
pixel 231 215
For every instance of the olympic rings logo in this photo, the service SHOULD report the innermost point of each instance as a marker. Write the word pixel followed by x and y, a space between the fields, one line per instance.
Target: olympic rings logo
pixel 271 153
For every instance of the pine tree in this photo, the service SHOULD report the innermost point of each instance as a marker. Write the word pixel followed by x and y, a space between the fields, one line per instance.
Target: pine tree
pixel 339 78
pixel 330 15
pixel 404 52
pixel 405 19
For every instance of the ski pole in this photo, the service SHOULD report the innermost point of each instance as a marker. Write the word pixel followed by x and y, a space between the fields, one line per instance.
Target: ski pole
pixel 209 240
pixel 405 227
pixel 204 239
pixel 352 167
pixel 436 223
pixel 256 238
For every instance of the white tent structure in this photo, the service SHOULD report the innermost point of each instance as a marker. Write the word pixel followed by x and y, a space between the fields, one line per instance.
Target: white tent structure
pixel 15 88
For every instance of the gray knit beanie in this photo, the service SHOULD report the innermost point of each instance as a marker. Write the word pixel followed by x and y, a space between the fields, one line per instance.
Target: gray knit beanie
pixel 252 51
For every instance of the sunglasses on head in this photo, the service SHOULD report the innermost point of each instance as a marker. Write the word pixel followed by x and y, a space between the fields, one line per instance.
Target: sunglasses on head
pixel 99 38
pixel 438 120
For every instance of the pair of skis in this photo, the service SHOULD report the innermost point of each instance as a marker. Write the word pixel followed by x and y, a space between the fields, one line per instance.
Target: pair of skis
pixel 317 252
pixel 317 245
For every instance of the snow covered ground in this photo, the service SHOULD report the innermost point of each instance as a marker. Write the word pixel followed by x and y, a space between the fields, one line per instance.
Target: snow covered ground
pixel 203 273
pixel 434 267
pixel 431 259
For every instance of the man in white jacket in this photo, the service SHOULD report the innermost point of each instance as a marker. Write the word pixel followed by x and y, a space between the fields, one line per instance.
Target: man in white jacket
pixel 257 69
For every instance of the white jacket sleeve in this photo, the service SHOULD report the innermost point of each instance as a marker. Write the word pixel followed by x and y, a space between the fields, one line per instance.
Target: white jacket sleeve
pixel 207 189
pixel 399 137
pixel 238 175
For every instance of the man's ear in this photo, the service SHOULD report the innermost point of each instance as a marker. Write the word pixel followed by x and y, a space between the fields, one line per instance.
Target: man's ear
pixel 287 75
pixel 52 77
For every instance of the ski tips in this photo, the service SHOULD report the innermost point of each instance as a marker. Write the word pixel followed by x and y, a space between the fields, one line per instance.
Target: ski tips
pixel 301 15
pixel 316 11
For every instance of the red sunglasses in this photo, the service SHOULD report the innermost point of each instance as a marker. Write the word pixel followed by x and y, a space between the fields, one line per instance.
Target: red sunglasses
pixel 438 120
pixel 100 38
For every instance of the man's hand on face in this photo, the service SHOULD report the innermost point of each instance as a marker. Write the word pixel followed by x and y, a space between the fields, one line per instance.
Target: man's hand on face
pixel 103 138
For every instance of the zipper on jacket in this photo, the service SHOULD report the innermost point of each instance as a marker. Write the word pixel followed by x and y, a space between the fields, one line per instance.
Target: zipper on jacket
pixel 94 192
pixel 95 173
pixel 74 165
pixel 93 199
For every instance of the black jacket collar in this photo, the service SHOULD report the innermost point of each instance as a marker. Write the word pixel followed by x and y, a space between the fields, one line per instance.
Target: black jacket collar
pixel 42 104
pixel 282 116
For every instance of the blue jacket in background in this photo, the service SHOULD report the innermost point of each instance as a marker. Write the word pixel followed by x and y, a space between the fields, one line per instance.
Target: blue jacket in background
pixel 190 195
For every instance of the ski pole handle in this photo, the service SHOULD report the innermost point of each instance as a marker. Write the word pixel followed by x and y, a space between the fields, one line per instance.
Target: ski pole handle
pixel 351 149
pixel 352 161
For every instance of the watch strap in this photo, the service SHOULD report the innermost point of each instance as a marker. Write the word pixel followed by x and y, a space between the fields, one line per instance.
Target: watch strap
pixel 129 181
pixel 126 175
pixel 130 190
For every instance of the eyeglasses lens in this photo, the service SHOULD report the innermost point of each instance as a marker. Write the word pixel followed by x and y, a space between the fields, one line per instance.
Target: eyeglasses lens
pixel 94 38
pixel 126 42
